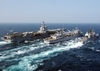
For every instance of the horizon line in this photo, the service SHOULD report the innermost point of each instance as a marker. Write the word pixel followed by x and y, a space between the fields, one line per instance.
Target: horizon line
pixel 49 23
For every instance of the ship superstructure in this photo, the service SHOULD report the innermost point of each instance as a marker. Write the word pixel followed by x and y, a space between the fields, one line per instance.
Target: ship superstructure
pixel 30 36
pixel 63 36
pixel 91 36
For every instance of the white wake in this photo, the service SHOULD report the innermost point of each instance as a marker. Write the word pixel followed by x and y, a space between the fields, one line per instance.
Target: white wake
pixel 25 63
pixel 3 42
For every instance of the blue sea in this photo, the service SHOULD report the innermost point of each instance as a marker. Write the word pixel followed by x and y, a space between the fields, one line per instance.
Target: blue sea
pixel 37 56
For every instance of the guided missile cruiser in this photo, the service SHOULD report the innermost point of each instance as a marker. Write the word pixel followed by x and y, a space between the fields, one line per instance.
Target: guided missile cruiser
pixel 91 36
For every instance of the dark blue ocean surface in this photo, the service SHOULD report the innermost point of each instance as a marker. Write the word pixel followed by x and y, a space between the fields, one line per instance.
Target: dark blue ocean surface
pixel 37 56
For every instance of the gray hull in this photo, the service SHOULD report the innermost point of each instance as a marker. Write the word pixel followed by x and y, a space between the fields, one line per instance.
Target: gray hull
pixel 21 39
pixel 89 40
pixel 61 40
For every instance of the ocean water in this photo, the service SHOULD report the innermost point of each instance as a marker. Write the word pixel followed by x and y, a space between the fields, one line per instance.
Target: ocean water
pixel 36 56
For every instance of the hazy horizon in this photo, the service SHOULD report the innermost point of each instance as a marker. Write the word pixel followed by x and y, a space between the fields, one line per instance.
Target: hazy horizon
pixel 49 11
pixel 47 23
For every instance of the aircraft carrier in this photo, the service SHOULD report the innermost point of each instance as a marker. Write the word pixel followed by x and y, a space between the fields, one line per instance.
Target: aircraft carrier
pixel 30 36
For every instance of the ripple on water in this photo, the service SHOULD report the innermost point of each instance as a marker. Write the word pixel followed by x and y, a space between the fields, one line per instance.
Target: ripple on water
pixel 26 61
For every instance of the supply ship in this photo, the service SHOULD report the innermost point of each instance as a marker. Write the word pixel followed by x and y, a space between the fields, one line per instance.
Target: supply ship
pixel 30 36
pixel 63 36
pixel 91 36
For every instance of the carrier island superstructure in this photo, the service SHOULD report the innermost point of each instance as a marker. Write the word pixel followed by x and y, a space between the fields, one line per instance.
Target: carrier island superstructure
pixel 30 36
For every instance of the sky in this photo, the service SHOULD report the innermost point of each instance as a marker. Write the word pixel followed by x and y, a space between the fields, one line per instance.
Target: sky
pixel 50 11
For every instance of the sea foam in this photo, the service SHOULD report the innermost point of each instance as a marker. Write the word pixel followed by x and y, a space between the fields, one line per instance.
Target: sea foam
pixel 26 62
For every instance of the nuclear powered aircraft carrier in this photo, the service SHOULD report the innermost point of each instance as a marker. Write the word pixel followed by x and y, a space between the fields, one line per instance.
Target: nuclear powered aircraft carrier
pixel 30 36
